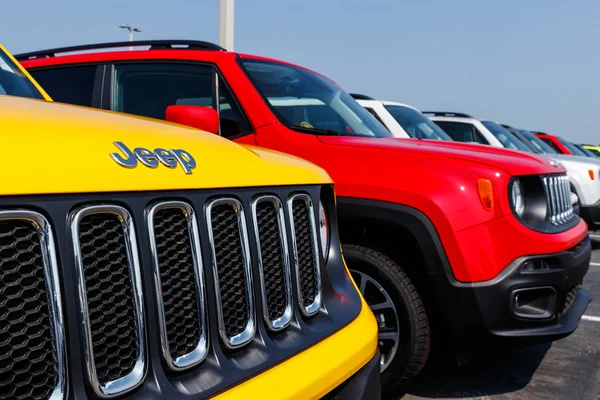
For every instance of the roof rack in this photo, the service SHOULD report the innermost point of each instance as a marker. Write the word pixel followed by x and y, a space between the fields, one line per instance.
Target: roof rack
pixel 154 45
pixel 358 96
pixel 447 114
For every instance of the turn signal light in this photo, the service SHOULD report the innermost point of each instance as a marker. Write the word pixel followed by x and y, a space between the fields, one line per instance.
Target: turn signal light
pixel 486 193
pixel 591 174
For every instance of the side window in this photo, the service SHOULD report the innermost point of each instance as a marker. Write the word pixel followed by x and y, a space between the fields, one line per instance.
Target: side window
pixel 72 85
pixel 373 113
pixel 461 132
pixel 232 119
pixel 552 145
pixel 148 89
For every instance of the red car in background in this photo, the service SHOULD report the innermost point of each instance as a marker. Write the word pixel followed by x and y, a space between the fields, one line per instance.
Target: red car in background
pixel 559 144
pixel 450 241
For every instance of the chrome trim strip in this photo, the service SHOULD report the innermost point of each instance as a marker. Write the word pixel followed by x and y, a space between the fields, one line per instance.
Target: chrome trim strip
pixel 561 203
pixel 554 218
pixel 199 353
pixel 548 197
pixel 137 375
pixel 314 307
pixel 247 335
pixel 284 320
pixel 50 265
pixel 565 198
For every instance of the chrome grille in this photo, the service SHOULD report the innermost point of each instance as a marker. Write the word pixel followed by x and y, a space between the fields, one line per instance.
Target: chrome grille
pixel 105 265
pixel 175 246
pixel 232 269
pixel 558 198
pixel 32 351
pixel 306 253
pixel 110 294
pixel 273 261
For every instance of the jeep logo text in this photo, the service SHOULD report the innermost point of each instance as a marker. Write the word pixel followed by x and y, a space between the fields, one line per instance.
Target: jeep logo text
pixel 169 158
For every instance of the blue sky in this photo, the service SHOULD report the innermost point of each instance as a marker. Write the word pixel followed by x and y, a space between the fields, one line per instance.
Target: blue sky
pixel 533 64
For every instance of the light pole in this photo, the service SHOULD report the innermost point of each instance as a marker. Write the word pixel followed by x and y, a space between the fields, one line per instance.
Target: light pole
pixel 226 24
pixel 131 29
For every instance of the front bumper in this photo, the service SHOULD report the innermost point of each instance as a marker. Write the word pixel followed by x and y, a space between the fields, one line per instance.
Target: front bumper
pixel 591 215
pixel 363 385
pixel 535 299
pixel 344 359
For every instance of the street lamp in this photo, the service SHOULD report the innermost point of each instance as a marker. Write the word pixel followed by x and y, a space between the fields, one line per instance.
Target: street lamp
pixel 131 29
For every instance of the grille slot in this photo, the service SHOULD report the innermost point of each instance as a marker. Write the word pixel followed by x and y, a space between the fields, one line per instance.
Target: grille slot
pixel 32 349
pixel 306 253
pixel 569 298
pixel 175 246
pixel 110 294
pixel 558 197
pixel 228 236
pixel 273 261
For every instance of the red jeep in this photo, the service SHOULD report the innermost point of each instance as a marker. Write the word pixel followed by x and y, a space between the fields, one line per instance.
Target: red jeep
pixel 559 144
pixel 447 240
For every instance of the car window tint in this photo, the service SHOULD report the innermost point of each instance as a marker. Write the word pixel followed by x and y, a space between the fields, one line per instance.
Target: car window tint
pixel 461 132
pixel 233 121
pixel 148 89
pixel 72 85
pixel 552 145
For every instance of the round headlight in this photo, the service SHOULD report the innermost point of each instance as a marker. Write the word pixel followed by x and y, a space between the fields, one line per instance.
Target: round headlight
pixel 323 230
pixel 518 197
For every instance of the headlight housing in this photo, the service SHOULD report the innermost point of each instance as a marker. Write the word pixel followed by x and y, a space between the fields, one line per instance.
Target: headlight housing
pixel 542 202
pixel 517 194
pixel 323 230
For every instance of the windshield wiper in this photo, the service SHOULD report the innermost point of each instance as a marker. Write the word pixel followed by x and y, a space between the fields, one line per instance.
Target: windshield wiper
pixel 316 131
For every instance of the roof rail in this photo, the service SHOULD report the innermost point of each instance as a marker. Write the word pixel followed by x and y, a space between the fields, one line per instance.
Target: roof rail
pixel 359 96
pixel 447 114
pixel 154 45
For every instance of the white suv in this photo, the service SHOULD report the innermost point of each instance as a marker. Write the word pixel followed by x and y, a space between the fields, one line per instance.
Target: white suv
pixel 401 120
pixel 583 172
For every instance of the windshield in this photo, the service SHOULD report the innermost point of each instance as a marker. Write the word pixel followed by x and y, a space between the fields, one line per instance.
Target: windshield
pixel 570 147
pixel 594 152
pixel 537 142
pixel 13 82
pixel 416 124
pixel 530 147
pixel 507 139
pixel 584 150
pixel 307 102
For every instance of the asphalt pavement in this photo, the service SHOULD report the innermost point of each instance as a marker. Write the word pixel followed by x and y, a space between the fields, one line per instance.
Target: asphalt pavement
pixel 566 369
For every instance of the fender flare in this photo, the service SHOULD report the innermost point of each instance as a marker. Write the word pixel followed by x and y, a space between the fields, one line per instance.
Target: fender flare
pixel 407 217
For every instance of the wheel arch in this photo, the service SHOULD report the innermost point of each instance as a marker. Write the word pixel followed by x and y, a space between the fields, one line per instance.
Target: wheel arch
pixel 417 247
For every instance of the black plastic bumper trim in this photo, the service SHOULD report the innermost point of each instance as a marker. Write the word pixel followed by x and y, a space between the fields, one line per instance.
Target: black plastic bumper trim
pixel 363 385
pixel 485 308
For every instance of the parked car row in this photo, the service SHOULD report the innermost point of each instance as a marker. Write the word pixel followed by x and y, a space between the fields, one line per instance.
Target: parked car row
pixel 449 243
pixel 582 169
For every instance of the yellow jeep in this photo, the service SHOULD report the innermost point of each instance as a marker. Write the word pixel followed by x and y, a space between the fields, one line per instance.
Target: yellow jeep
pixel 140 258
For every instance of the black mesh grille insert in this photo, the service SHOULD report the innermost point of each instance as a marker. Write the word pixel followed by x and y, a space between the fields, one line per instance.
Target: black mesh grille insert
pixel 272 259
pixel 230 269
pixel 109 295
pixel 176 265
pixel 305 251
pixel 27 365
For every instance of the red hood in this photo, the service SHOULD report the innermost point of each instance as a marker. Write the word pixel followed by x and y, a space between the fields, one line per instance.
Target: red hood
pixel 512 161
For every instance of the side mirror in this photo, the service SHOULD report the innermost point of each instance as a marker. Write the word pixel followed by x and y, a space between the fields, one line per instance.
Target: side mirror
pixel 204 118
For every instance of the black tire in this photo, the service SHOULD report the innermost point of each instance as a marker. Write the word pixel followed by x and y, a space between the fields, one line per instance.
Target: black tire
pixel 415 342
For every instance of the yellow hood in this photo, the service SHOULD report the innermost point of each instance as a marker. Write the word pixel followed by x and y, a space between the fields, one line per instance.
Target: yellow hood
pixel 55 148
